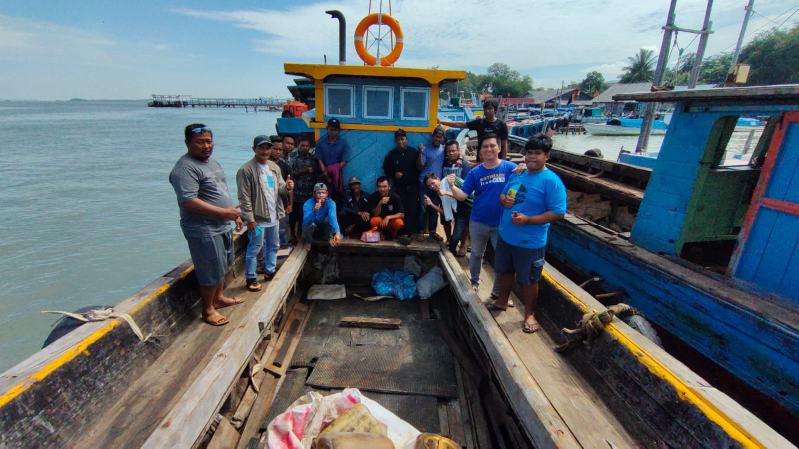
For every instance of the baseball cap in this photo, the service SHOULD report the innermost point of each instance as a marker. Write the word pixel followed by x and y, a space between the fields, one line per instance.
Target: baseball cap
pixel 334 123
pixel 354 180
pixel 400 132
pixel 319 186
pixel 260 140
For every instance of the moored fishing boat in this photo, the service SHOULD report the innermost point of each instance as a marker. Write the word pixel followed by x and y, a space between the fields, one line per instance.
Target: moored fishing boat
pixel 185 384
pixel 623 127
pixel 708 252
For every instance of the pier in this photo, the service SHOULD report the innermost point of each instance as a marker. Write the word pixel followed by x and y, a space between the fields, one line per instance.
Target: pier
pixel 187 101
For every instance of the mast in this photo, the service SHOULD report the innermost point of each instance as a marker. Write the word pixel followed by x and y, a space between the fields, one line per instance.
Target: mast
pixel 700 50
pixel 749 8
pixel 663 57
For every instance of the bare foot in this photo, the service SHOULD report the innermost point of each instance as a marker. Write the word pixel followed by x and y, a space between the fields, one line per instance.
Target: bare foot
pixel 224 301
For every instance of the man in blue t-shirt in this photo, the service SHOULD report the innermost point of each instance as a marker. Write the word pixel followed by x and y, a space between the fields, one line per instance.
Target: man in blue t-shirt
pixel 430 159
pixel 487 181
pixel 331 154
pixel 532 200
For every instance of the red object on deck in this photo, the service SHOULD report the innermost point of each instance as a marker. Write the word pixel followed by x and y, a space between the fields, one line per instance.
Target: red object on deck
pixel 297 108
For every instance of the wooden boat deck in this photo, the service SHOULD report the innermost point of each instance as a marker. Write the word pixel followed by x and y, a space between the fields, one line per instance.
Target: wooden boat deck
pixel 589 423
pixel 188 361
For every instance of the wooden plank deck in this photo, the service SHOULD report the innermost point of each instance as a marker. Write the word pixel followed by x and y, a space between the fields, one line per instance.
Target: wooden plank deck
pixel 591 423
pixel 186 385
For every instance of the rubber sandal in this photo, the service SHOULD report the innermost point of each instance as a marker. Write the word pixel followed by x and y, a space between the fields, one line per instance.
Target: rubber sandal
pixel 528 328
pixel 491 306
pixel 220 321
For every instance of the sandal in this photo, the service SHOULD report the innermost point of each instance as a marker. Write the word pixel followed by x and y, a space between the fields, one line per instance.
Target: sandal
pixel 216 320
pixel 491 306
pixel 531 328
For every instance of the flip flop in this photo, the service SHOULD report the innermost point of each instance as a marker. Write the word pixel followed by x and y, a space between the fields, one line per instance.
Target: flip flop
pixel 528 328
pixel 236 301
pixel 219 321
pixel 491 306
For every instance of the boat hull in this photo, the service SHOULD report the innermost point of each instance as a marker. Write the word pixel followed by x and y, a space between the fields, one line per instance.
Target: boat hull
pixel 759 350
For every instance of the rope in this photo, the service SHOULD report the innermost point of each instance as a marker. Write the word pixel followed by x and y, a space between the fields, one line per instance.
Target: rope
pixel 592 324
pixel 102 315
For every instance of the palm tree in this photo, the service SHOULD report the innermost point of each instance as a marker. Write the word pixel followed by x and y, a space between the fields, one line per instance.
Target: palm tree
pixel 641 67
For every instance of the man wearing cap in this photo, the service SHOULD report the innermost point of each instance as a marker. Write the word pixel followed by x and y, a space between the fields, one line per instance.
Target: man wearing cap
pixel 319 217
pixel 430 160
pixel 206 215
pixel 355 214
pixel 260 187
pixel 331 153
pixel 399 166
pixel 486 125
pixel 301 164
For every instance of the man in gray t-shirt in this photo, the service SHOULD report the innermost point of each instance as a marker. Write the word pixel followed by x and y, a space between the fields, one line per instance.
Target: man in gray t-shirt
pixel 206 213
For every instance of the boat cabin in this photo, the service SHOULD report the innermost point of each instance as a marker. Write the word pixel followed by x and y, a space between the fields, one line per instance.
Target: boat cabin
pixel 372 102
pixel 712 206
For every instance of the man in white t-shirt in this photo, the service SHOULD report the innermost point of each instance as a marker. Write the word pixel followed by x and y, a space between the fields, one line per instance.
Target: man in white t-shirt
pixel 260 186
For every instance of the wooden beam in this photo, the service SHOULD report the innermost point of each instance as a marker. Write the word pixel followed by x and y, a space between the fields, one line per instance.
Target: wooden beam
pixel 259 411
pixel 225 437
pixel 540 420
pixel 279 359
pixel 185 425
pixel 366 321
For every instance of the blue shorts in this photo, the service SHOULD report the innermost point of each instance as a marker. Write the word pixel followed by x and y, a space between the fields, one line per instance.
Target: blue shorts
pixel 212 255
pixel 516 259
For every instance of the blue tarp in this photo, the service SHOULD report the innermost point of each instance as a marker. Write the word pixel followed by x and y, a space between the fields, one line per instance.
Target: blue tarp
pixel 399 284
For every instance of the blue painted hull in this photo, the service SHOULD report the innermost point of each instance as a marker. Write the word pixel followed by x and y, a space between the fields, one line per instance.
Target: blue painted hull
pixel 761 351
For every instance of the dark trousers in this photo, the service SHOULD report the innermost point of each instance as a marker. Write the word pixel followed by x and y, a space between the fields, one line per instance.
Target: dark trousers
pixel 295 218
pixel 410 204
pixel 461 220
pixel 316 231
pixel 358 223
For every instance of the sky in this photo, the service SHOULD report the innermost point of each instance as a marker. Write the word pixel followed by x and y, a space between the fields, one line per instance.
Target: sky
pixel 93 49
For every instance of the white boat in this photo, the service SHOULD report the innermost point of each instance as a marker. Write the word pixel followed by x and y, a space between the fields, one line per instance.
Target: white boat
pixel 602 129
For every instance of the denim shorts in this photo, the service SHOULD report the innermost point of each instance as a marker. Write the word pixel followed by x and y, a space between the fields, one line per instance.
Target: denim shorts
pixel 212 255
pixel 519 260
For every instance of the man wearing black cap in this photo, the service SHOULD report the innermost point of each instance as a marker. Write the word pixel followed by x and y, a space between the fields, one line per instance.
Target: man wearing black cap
pixel 486 125
pixel 400 167
pixel 260 188
pixel 331 153
pixel 355 213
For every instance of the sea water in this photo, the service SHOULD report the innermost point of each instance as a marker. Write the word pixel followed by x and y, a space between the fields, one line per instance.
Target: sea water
pixel 87 214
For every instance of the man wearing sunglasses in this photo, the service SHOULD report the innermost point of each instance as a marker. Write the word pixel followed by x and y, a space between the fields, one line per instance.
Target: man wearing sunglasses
pixel 206 213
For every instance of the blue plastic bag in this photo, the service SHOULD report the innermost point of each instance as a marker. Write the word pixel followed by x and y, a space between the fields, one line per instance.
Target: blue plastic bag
pixel 399 284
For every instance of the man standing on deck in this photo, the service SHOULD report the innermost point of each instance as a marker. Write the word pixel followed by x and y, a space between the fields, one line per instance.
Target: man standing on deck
pixel 486 181
pixel 430 160
pixel 331 154
pixel 399 166
pixel 532 201
pixel 301 164
pixel 260 189
pixel 276 156
pixel 206 213
pixel 488 124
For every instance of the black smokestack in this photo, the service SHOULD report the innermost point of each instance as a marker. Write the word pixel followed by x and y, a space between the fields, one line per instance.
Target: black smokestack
pixel 342 29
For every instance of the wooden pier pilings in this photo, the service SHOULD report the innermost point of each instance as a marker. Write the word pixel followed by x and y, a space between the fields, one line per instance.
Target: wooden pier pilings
pixel 187 101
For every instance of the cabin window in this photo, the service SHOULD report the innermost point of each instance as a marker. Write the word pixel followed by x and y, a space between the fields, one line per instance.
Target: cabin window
pixel 339 100
pixel 415 103
pixel 377 102
pixel 735 141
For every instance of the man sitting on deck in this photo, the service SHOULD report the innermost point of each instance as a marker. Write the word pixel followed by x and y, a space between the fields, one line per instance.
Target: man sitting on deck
pixel 331 153
pixel 387 212
pixel 206 212
pixel 532 200
pixel 486 125
pixel 260 188
pixel 319 220
pixel 355 218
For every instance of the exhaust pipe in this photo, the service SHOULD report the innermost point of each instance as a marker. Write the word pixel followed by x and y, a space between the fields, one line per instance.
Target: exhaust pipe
pixel 342 30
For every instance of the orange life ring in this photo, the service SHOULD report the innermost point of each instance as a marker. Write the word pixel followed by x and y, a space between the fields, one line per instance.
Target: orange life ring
pixel 360 34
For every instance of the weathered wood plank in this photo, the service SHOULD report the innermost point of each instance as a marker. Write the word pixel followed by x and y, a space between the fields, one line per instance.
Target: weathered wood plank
pixel 225 437
pixel 592 423
pixel 541 422
pixel 187 422
pixel 266 394
pixel 278 361
pixel 370 322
